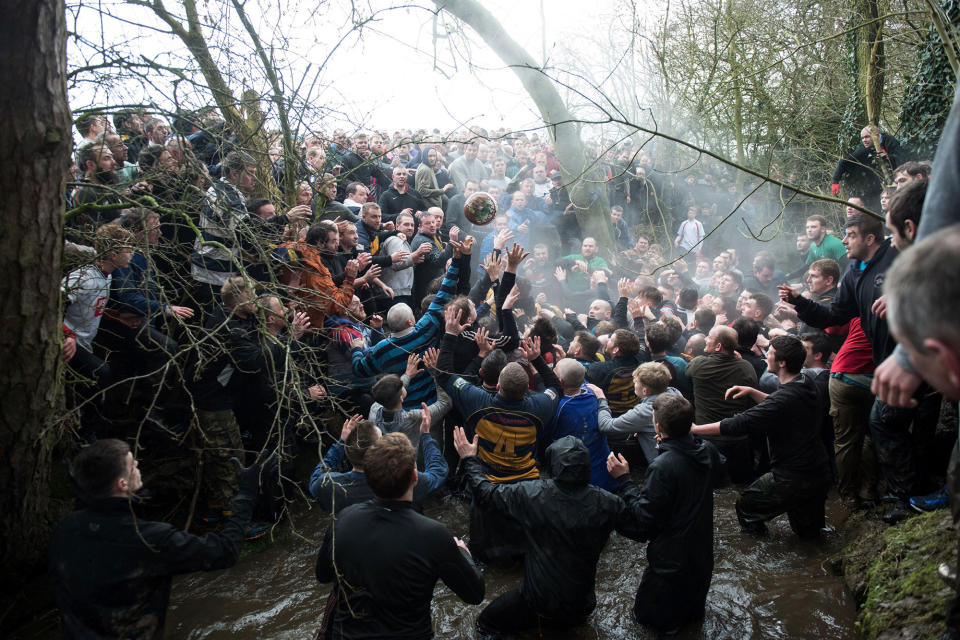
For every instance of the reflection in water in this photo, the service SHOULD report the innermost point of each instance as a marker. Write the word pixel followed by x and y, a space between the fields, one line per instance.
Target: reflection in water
pixel 779 587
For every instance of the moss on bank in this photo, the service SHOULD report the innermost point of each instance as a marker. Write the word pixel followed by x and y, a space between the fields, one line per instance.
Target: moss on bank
pixel 892 572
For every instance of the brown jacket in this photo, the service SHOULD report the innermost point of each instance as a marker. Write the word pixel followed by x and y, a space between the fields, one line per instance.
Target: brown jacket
pixel 317 290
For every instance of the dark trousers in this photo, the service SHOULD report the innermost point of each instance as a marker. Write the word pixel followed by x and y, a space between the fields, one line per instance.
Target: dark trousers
pixel 510 614
pixel 890 428
pixel 802 501
pixel 88 376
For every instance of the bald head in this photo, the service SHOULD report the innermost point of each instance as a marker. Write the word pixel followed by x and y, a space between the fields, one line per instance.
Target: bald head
pixel 399 317
pixel 571 374
pixel 724 337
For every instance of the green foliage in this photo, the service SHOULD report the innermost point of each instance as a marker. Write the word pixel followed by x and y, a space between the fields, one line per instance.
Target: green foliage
pixel 929 93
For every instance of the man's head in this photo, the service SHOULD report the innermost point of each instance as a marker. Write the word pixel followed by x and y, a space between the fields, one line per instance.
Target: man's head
pixel 616 214
pixel 763 267
pixel 658 338
pixel 156 130
pixel 922 308
pixel 721 339
pixel 787 354
pixel 650 378
pixel 359 441
pixel 389 391
pixel 400 317
pixel 852 204
pixel 370 214
pixel 571 374
pixel 903 215
pixel 324 235
pixel 584 346
pixel 115 143
pixel 747 330
pixel 816 228
pixel 704 318
pixel 864 236
pixel 143 223
pixel 240 169
pixel 866 137
pixel 114 246
pixel 588 248
pixel 541 254
pixel 273 315
pixel 519 201
pixel 98 164
pixel 400 178
pixel 90 125
pixel 818 349
pixel 539 174
pixel 600 310
pixel 823 276
pixel 238 296
pixel 909 172
pixel 729 283
pixel 357 192
pixel 672 415
pixel 527 187
pixel 757 307
pixel 470 187
pixel 106 469
pixel 470 151
pixel 406 225
pixel 513 382
pixel 491 366
pixel 360 144
pixel 624 343
pixel 349 238
pixel 643 243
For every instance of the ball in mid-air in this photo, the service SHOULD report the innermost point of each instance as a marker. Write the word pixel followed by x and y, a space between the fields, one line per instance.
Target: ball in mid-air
pixel 480 208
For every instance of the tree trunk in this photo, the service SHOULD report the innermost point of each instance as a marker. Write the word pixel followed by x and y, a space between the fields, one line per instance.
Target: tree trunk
pixel 581 177
pixel 35 144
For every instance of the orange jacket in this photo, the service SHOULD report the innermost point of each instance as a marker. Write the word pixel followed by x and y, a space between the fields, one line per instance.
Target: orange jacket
pixel 317 290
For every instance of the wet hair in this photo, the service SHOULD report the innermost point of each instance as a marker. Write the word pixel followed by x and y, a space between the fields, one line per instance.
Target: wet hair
pixel 604 327
pixel 135 219
pixel 705 318
pixel 319 232
pixel 589 345
pixel 658 337
pixel 491 366
pixel 253 205
pixel 652 294
pixel 828 267
pixel 818 219
pixel 237 161
pixel 764 260
pixel 546 331
pixel 389 466
pixel 790 351
pixel 674 326
pixel 913 169
pixel 85 122
pixel 232 289
pixel 98 467
pixel 111 237
pixel 387 390
pixel 867 225
pixel 628 344
pixel 462 305
pixel 368 207
pixel 906 204
pixel 763 302
pixel 363 436
pixel 688 298
pixel 653 375
pixel 819 344
pixel 513 381
pixel 747 332
pixel 674 414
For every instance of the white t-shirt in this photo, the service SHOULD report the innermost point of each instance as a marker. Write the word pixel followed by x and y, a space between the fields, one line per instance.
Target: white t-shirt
pixel 87 290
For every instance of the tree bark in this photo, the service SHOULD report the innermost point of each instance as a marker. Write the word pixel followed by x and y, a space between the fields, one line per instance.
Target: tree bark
pixel 585 186
pixel 35 144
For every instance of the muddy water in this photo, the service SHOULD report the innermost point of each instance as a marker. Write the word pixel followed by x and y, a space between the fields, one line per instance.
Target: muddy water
pixel 779 587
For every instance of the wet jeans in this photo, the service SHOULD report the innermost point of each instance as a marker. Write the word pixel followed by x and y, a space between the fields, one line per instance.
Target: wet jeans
pixel 802 501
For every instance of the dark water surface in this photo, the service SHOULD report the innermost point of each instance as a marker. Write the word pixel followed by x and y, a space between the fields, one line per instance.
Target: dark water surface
pixel 778 587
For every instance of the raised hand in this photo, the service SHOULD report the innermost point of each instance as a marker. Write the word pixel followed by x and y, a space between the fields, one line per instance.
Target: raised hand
pixel 430 357
pixel 451 317
pixel 786 293
pixel 351 268
pixel 300 324
pixel 530 348
pixel 501 239
pixel 560 274
pixel 511 298
pixel 736 392
pixel 317 392
pixel 399 256
pixel 376 321
pixel 299 213
pixel 484 344
pixel 413 365
pixel 349 426
pixel 424 418
pixel 464 447
pixel 623 286
pixel 515 256
pixel 492 265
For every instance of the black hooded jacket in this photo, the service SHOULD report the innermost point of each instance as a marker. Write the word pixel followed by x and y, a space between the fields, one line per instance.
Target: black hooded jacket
pixel 674 511
pixel 566 522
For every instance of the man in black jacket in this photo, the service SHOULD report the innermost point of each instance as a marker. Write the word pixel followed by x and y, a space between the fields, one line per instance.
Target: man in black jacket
pixel 111 571
pixel 674 511
pixel 799 476
pixel 863 168
pixel 566 523
pixel 860 287
pixel 386 558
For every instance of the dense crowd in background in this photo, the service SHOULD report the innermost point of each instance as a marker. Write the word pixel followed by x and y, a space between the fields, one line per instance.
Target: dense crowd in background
pixel 222 327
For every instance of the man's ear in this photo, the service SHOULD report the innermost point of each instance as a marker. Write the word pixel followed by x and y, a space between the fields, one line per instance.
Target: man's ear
pixel 948 360
pixel 909 229
pixel 410 322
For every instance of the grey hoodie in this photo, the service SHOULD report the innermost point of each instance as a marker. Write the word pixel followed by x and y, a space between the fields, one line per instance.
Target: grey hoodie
pixel 638 420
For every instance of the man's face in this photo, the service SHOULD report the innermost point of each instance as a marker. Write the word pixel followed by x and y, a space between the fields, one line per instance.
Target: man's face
pixel 764 276
pixel 428 224
pixel 901 179
pixel 727 285
pixel 772 365
pixel 932 368
pixel 866 138
pixel 719 264
pixel 817 283
pixel 372 218
pixel 304 194
pixel 539 174
pixel 132 475
pixel 499 224
pixel 159 133
pixel 330 191
pixel 360 195
pixel 152 233
pixel 437 219
pixel 541 255
pixel 360 145
pixel 105 161
pixel 815 231
pixel 356 310
pixel 470 152
pixel 519 201
pixel 117 148
pixel 615 216
pixel 742 300
pixel 470 188
pixel 749 308
pixel 712 344
pixel 850 210
pixel 400 178
pixel 598 310
pixel 574 349
pixel 499 168
pixel 244 179
pixel 811 359
pixel 803 243
pixel 527 187
pixel 267 211
pixel 642 245
pixel 588 248
pixel 333 242
pixel 349 238
pixel 856 244
pixel 703 269
pixel 376 145
pixel 121 257
pixel 406 227
pixel 898 241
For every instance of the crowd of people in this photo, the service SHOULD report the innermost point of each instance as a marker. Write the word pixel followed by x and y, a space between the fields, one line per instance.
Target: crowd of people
pixel 522 364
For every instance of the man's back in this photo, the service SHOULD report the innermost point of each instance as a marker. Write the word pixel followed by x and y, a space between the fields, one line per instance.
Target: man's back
pixel 387 558
pixel 111 571
pixel 711 376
